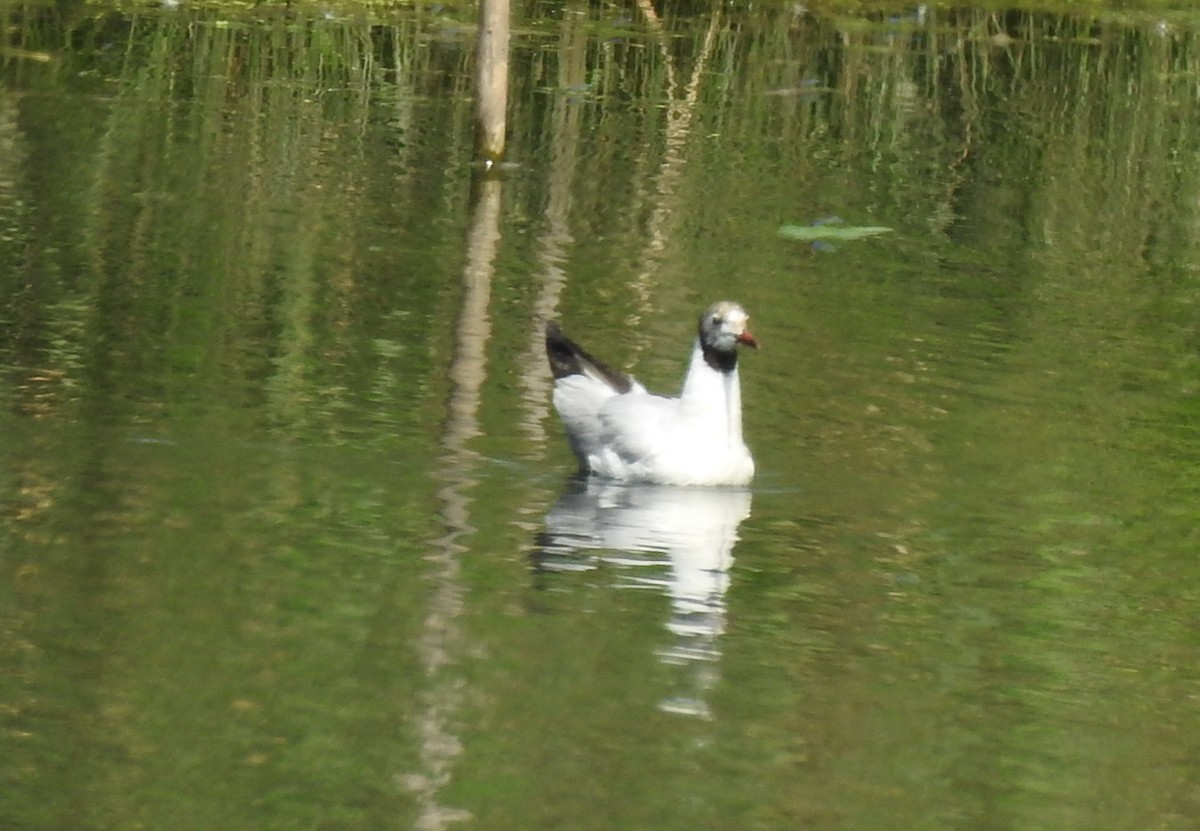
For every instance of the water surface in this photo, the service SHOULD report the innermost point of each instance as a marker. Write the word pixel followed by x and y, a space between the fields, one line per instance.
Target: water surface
pixel 289 535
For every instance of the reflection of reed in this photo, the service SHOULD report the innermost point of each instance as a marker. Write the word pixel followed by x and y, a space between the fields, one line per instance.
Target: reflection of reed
pixel 681 112
pixel 554 243
pixel 441 637
pixel 565 120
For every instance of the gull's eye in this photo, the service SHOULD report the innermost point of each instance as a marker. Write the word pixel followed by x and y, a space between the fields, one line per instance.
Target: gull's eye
pixel 716 320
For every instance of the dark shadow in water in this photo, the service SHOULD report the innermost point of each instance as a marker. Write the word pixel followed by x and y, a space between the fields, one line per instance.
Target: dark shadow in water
pixel 678 540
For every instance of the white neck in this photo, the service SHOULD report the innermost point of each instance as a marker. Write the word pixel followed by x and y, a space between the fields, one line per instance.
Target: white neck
pixel 713 395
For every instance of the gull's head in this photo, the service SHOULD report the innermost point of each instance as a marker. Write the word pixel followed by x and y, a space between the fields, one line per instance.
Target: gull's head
pixel 723 327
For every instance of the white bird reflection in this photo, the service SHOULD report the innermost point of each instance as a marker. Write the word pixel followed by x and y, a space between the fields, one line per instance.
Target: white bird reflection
pixel 678 540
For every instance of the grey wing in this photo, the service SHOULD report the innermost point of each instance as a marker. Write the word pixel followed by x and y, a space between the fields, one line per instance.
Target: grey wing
pixel 635 425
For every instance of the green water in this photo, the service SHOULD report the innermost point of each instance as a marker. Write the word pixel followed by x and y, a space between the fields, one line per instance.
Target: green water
pixel 287 534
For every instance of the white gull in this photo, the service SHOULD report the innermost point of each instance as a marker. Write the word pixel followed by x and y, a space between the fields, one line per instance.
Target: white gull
pixel 620 431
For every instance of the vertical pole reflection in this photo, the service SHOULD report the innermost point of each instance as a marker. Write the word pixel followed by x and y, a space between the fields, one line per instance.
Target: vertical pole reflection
pixel 441 640
pixel 491 80
pixel 555 241
pixel 680 115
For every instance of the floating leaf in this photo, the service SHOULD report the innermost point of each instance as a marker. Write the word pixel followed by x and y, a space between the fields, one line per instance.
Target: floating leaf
pixel 808 233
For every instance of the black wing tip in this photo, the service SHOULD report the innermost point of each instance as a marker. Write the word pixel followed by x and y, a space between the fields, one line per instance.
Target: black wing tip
pixel 568 358
pixel 561 352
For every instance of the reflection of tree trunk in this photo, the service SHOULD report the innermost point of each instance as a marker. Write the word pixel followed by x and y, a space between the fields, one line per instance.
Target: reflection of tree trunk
pixel 441 638
pixel 553 244
pixel 491 80
pixel 681 112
